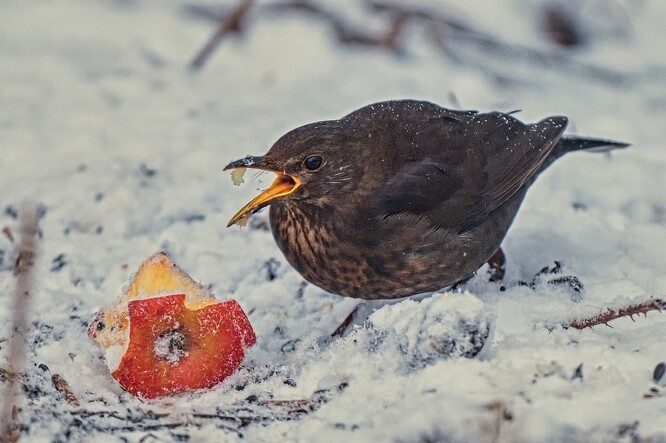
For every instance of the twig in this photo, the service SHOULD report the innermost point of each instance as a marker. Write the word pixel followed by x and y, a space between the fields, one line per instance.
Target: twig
pixel 560 26
pixel 231 24
pixel 417 13
pixel 8 233
pixel 204 12
pixel 452 36
pixel 612 314
pixel 501 413
pixel 230 419
pixel 448 33
pixel 62 386
pixel 6 375
pixel 27 252
pixel 453 44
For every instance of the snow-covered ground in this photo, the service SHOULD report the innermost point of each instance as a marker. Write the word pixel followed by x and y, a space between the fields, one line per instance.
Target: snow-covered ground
pixel 102 123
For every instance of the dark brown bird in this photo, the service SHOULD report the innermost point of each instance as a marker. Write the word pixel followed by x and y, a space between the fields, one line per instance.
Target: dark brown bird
pixel 402 197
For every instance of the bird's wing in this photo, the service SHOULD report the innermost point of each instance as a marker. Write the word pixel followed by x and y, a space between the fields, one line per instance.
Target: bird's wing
pixel 455 171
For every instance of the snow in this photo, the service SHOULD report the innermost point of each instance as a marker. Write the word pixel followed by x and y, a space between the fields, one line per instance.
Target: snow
pixel 169 346
pixel 103 124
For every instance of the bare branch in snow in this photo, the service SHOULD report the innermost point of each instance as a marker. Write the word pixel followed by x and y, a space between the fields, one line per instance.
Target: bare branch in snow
pixel 604 318
pixel 231 24
pixel 23 269
pixel 62 386
pixel 457 40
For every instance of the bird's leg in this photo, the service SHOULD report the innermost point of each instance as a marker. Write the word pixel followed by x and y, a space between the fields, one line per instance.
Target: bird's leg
pixel 362 311
pixel 456 286
pixel 358 316
pixel 497 265
pixel 342 327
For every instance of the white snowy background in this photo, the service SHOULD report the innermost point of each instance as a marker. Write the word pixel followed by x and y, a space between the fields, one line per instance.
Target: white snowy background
pixel 102 122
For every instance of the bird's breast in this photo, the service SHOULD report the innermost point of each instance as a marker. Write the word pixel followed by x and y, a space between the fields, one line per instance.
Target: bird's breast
pixel 316 243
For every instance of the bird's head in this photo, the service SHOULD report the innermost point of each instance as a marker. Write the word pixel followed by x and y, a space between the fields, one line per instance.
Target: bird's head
pixel 318 163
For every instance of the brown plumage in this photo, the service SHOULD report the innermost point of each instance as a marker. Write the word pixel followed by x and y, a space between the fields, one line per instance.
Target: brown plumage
pixel 402 197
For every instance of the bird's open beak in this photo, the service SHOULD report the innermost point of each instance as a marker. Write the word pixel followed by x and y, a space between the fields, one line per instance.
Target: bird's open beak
pixel 283 185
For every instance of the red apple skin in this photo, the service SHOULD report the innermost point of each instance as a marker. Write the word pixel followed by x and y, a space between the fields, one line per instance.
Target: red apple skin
pixel 216 337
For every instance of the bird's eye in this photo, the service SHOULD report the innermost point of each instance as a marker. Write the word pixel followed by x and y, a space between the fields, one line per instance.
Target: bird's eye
pixel 313 162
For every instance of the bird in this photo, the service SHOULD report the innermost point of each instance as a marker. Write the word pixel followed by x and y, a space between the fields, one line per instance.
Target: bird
pixel 402 197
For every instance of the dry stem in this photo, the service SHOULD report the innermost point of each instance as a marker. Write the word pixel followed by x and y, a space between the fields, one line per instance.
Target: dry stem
pixel 62 386
pixel 611 314
pixel 450 35
pixel 27 251
pixel 233 23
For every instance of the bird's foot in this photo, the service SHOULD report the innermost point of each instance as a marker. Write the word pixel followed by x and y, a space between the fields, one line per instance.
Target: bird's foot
pixel 553 275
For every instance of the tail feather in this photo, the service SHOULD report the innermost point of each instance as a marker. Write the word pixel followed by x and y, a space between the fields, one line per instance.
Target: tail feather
pixel 568 144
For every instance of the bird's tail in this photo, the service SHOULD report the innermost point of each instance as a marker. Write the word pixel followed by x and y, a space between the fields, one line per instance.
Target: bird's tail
pixel 568 144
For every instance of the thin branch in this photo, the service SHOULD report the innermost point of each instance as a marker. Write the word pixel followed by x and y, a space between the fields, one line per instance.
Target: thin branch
pixel 7 232
pixel 6 375
pixel 231 419
pixel 25 259
pixel 62 386
pixel 501 414
pixel 231 24
pixel 448 33
pixel 452 36
pixel 612 314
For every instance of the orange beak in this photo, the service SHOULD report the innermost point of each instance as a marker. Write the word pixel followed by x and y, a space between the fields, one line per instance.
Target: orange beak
pixel 283 185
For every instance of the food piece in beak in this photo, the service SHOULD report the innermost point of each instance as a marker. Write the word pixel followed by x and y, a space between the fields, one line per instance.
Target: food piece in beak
pixel 237 175
pixel 283 185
